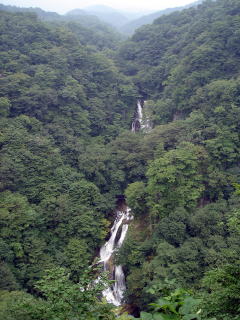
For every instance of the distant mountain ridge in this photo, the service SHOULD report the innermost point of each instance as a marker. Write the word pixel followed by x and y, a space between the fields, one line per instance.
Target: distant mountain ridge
pixel 123 21
pixel 81 16
pixel 89 29
pixel 131 26
pixel 44 15
pixel 104 13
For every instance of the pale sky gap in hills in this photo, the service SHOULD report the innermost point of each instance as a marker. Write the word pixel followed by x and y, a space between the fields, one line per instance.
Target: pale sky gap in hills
pixel 63 6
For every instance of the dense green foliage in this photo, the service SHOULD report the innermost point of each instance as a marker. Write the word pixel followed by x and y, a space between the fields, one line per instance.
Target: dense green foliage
pixel 62 102
pixel 66 151
pixel 88 27
pixel 186 211
pixel 63 300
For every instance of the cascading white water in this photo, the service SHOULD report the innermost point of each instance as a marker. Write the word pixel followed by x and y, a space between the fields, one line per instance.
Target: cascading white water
pixel 137 122
pixel 140 111
pixel 114 294
pixel 141 122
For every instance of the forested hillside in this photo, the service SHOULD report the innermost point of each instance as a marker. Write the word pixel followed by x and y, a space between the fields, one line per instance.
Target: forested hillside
pixel 68 98
pixel 92 29
pixel 187 63
pixel 61 102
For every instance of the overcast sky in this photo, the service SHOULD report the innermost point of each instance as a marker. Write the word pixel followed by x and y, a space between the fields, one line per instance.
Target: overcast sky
pixel 62 6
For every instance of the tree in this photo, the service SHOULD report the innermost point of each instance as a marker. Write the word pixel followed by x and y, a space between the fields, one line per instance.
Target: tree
pixel 4 106
pixel 61 299
pixel 136 197
pixel 179 305
pixel 77 257
pixel 176 179
pixel 222 297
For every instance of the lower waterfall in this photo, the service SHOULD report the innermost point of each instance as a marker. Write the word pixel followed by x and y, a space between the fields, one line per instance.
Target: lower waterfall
pixel 114 294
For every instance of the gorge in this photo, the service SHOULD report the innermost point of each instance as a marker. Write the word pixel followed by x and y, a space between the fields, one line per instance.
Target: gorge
pixel 77 109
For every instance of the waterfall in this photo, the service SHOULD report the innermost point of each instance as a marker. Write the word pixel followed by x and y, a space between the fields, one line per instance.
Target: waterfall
pixel 114 294
pixel 141 120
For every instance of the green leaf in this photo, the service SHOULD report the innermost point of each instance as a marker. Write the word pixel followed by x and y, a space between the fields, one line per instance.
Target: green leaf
pixel 146 316
pixel 158 316
pixel 167 317
pixel 189 304
pixel 191 317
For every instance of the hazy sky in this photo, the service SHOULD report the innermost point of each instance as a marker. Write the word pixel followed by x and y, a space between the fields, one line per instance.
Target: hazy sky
pixel 62 6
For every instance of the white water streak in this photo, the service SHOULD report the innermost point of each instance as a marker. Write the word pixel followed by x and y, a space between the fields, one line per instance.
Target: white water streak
pixel 114 294
pixel 141 121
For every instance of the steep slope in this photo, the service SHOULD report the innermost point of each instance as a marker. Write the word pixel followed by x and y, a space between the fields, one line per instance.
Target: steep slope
pixel 59 99
pixel 66 152
pixel 89 26
pixel 186 65
pixel 183 50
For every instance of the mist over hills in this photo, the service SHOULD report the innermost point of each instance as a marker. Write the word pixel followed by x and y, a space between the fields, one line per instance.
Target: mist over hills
pixel 130 15
pixel 125 22
pixel 92 23
pixel 43 15
pixel 131 26
pixel 114 17
pixel 104 13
